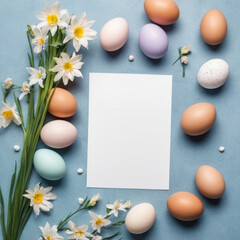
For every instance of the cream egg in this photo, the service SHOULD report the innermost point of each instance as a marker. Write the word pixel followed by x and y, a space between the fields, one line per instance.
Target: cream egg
pixel 58 134
pixel 140 218
pixel 114 34
pixel 213 73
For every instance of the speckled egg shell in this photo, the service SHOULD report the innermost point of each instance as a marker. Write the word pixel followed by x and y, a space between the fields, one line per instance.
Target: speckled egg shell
pixel 58 134
pixel 63 104
pixel 213 73
pixel 140 218
pixel 49 164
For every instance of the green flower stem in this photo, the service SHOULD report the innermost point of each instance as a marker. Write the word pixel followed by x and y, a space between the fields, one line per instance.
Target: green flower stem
pixel 112 236
pixel 183 66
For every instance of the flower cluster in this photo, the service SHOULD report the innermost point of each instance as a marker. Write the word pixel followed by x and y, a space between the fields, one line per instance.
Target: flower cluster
pixel 183 52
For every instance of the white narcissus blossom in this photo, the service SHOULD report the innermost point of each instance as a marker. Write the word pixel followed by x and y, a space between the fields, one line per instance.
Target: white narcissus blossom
pixel 67 68
pixel 95 198
pixel 50 233
pixel 98 221
pixel 25 90
pixel 37 76
pixel 127 204
pixel 78 232
pixel 185 50
pixel 80 32
pixel 39 40
pixel 80 201
pixel 8 114
pixel 52 18
pixel 8 83
pixel 184 59
pixel 115 207
pixel 39 198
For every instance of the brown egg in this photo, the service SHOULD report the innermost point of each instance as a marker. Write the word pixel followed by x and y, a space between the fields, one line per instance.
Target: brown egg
pixel 210 182
pixel 213 27
pixel 198 118
pixel 185 206
pixel 163 12
pixel 63 104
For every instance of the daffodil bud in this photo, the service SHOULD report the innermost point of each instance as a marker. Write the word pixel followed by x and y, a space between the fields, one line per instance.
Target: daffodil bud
pixel 8 83
pixel 30 31
pixel 184 59
pixel 185 50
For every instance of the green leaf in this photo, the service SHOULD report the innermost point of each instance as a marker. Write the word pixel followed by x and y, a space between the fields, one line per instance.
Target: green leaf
pixel 41 61
pixel 118 223
pixel 2 216
pixel 56 44
pixel 17 102
pixel 112 236
pixel 30 46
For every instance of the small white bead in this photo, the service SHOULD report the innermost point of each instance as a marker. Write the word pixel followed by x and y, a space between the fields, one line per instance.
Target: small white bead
pixel 16 148
pixel 80 171
pixel 131 58
pixel 80 201
pixel 221 149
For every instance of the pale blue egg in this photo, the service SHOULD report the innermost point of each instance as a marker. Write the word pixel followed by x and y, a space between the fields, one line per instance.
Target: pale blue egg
pixel 49 164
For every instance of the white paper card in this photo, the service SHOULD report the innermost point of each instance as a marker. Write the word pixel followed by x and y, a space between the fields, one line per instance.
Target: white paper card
pixel 129 131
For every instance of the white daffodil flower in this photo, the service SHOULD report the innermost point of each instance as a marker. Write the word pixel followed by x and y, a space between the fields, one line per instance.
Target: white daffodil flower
pixel 186 50
pixel 78 232
pixel 8 83
pixel 67 68
pixel 39 198
pixel 39 40
pixel 79 31
pixel 52 17
pixel 37 76
pixel 95 198
pixel 50 233
pixel 115 207
pixel 25 90
pixel 97 238
pixel 184 59
pixel 8 114
pixel 127 204
pixel 80 201
pixel 98 221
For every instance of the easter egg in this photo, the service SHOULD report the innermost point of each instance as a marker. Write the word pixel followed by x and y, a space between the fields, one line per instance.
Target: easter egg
pixel 185 206
pixel 163 12
pixel 213 73
pixel 49 164
pixel 153 41
pixel 58 134
pixel 63 104
pixel 198 118
pixel 213 27
pixel 210 182
pixel 114 34
pixel 140 218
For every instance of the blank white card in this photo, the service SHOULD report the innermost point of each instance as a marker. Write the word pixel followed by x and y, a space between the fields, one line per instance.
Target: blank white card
pixel 129 131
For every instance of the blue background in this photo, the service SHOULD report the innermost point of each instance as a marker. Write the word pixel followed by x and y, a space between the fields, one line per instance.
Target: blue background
pixel 221 219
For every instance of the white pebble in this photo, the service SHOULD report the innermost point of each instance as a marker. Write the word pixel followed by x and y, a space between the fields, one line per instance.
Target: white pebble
pixel 16 148
pixel 80 171
pixel 131 58
pixel 221 149
pixel 80 201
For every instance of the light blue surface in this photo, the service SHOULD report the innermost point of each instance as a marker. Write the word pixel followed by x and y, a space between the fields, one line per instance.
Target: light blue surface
pixel 221 219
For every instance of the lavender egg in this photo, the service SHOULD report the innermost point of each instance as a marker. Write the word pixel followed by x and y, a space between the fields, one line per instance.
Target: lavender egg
pixel 153 41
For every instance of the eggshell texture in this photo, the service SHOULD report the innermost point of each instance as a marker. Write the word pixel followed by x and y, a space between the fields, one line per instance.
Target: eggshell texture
pixel 58 134
pixel 114 34
pixel 63 104
pixel 185 206
pixel 213 73
pixel 198 118
pixel 140 218
pixel 163 12
pixel 153 41
pixel 210 182
pixel 213 27
pixel 49 164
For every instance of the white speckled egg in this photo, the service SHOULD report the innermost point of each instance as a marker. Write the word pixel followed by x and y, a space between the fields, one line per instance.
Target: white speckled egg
pixel 140 218
pixel 213 73
pixel 58 134
pixel 114 34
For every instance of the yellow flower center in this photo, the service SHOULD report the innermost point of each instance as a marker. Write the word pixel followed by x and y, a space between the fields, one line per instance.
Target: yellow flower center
pixel 8 114
pixel 39 75
pixel 99 221
pixel 68 66
pixel 38 197
pixel 48 238
pixel 117 206
pixel 52 19
pixel 80 233
pixel 78 32
pixel 41 40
